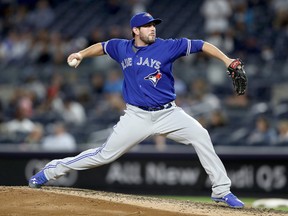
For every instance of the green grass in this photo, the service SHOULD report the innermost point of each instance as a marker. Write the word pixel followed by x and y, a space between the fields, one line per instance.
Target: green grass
pixel 248 201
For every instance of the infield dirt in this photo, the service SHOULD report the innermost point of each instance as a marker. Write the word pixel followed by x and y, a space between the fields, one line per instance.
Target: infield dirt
pixel 50 201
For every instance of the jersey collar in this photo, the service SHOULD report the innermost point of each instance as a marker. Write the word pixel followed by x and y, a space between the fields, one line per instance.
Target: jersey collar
pixel 137 48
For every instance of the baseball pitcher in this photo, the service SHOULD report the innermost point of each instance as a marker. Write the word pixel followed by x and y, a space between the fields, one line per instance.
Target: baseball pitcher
pixel 149 93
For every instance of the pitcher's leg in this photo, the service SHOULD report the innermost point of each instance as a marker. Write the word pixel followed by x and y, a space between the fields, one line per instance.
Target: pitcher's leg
pixel 187 130
pixel 84 160
pixel 129 131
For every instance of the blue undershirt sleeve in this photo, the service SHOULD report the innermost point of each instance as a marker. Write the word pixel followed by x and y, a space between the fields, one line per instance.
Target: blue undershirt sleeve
pixel 196 46
pixel 111 48
pixel 103 44
pixel 184 47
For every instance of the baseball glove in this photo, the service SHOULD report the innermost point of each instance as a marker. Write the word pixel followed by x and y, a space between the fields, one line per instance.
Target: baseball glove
pixel 238 76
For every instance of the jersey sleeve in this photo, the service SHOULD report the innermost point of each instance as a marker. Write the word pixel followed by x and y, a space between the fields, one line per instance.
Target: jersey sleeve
pixel 111 48
pixel 184 47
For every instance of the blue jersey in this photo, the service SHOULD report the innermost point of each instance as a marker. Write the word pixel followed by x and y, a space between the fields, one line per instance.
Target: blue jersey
pixel 148 78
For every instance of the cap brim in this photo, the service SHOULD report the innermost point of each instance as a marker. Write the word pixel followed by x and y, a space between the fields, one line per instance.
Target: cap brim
pixel 156 21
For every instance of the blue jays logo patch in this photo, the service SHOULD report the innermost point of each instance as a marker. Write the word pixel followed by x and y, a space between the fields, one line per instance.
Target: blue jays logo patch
pixel 154 77
pixel 148 15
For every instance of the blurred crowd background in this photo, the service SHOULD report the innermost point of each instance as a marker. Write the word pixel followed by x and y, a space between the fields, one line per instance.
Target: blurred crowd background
pixel 45 103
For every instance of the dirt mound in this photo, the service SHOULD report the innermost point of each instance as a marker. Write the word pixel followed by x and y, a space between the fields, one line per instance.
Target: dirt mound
pixel 70 201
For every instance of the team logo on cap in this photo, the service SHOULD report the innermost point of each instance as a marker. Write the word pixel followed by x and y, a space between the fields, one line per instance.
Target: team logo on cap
pixel 154 77
pixel 148 15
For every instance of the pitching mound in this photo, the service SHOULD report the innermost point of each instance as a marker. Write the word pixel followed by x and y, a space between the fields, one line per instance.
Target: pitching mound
pixel 50 201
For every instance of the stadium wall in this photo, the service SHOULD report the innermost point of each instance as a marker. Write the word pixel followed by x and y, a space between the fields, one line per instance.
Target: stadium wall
pixel 253 171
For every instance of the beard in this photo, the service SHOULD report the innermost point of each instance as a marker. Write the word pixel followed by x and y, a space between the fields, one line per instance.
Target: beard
pixel 147 39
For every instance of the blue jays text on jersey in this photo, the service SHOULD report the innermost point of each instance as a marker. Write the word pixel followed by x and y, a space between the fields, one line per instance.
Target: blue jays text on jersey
pixel 148 78
pixel 148 62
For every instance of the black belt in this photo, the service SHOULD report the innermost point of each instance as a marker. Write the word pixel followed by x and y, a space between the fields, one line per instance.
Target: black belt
pixel 165 106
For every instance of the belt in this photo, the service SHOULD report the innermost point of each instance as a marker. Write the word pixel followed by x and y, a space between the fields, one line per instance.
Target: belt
pixel 165 106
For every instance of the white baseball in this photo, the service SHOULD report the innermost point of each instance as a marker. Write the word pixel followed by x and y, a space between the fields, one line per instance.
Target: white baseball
pixel 73 63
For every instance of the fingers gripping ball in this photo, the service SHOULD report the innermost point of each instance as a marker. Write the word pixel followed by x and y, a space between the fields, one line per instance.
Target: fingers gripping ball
pixel 238 75
pixel 73 63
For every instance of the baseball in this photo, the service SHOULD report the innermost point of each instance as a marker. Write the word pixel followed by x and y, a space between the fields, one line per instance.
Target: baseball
pixel 73 63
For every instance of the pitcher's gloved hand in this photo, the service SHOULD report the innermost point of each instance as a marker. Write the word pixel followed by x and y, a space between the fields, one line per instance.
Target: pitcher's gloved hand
pixel 238 75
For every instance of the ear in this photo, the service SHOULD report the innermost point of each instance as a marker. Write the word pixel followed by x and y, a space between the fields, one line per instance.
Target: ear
pixel 136 30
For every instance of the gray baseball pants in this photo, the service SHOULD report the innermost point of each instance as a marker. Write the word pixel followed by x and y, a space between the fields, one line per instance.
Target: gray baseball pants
pixel 135 126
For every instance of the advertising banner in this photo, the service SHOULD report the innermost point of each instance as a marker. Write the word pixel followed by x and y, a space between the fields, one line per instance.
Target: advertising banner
pixel 156 174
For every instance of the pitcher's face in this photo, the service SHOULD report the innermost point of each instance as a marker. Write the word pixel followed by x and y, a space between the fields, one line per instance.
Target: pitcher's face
pixel 147 33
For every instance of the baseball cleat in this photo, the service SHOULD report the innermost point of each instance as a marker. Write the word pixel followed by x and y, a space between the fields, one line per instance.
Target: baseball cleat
pixel 38 180
pixel 231 200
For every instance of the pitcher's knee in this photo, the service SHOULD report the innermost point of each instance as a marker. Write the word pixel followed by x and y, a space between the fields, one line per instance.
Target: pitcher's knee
pixel 107 158
pixel 201 136
pixel 205 135
pixel 205 132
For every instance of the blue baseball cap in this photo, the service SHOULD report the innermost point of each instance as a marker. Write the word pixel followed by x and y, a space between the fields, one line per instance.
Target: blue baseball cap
pixel 143 18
